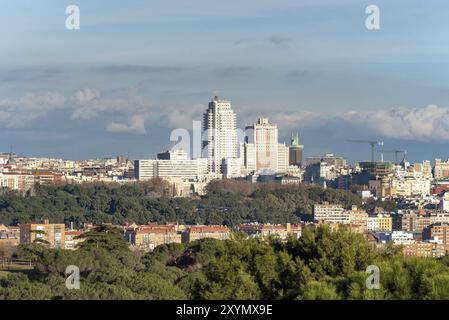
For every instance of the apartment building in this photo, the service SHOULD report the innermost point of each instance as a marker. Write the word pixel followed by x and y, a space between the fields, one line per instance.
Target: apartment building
pixel 193 233
pixel 413 221
pixel 439 217
pixel 153 235
pixel 331 213
pixel 384 222
pixel 280 231
pixel 71 242
pixel 418 221
pixel 51 233
pixel 438 232
pixel 425 249
pixel 396 237
pixel 380 222
pixel 358 219
pixel 441 169
pixel 409 186
pixel 24 180
pixel 444 202
pixel 9 239
pixel 17 181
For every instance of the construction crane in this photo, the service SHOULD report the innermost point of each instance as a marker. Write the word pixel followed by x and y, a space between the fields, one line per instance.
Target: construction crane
pixel 372 143
pixel 396 153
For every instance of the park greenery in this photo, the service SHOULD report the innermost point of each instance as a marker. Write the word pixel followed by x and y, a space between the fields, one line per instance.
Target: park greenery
pixel 227 202
pixel 319 265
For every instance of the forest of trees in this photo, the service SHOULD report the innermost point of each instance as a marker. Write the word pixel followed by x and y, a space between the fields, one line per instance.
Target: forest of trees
pixel 227 202
pixel 320 265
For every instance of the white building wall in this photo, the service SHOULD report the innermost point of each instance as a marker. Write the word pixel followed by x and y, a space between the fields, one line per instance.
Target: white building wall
pixel 219 127
pixel 283 158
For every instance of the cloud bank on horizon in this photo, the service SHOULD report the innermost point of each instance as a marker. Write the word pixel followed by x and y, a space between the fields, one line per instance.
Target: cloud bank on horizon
pixel 426 123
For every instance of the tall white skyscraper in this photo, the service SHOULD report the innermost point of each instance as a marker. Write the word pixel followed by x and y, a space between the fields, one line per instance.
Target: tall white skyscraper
pixel 219 134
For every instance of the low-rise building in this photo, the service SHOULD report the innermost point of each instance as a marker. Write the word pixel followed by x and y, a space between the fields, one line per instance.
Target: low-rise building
pixel 9 238
pixel 51 233
pixel 444 202
pixel 396 237
pixel 172 165
pixel 153 235
pixel 438 232
pixel 71 241
pixel 425 249
pixel 380 222
pixel 331 213
pixel 413 221
pixel 193 233
pixel 281 231
pixel 358 219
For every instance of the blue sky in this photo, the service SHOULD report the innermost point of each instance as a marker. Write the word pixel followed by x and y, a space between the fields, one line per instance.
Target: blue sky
pixel 138 69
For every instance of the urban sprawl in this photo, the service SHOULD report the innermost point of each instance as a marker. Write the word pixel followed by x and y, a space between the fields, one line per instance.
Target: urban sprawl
pixel 420 191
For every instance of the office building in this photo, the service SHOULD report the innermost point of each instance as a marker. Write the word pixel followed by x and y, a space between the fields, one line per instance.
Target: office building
pixel 261 152
pixel 283 156
pixel 248 157
pixel 329 158
pixel 173 154
pixel 219 134
pixel 231 168
pixel 178 168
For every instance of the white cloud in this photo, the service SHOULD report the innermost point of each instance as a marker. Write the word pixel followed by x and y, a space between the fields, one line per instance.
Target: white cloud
pixel 89 104
pixel 426 123
pixel 182 118
pixel 136 125
pixel 429 123
pixel 86 95
pixel 16 112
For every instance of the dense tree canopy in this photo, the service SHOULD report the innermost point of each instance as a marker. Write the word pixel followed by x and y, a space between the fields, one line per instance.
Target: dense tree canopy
pixel 227 202
pixel 320 265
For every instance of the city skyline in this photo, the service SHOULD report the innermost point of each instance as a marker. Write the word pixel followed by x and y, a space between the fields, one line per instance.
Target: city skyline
pixel 214 152
pixel 120 85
